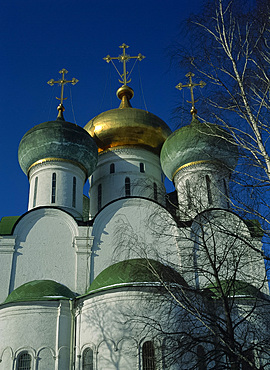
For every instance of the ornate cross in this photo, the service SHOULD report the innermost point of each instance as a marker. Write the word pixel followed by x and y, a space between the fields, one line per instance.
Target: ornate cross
pixel 62 82
pixel 191 85
pixel 124 58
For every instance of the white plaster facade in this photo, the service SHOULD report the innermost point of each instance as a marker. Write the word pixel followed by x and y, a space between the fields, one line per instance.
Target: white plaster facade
pixel 69 183
pixel 119 345
pixel 201 186
pixel 45 329
pixel 140 166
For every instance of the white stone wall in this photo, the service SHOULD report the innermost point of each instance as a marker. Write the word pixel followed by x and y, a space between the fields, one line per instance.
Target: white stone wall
pixel 44 248
pixel 194 196
pixel 219 244
pixel 127 164
pixel 134 228
pixel 43 329
pixel 47 244
pixel 65 172
pixel 114 324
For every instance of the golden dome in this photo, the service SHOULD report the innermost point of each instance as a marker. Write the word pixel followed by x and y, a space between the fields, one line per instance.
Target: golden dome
pixel 127 126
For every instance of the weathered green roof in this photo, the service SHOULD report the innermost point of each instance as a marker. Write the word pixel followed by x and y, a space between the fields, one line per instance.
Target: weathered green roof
pixel 234 288
pixel 197 142
pixel 40 290
pixel 136 271
pixel 58 139
pixel 7 224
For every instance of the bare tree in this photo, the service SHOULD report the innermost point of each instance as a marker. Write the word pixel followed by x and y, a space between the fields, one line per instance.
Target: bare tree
pixel 212 313
pixel 219 316
pixel 229 48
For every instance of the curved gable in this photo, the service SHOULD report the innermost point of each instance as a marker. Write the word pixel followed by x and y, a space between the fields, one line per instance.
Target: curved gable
pixel 44 247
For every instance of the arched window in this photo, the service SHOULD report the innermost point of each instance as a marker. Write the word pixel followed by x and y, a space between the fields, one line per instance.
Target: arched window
pixel 127 186
pixel 35 192
pixel 87 359
pixel 24 361
pixel 155 191
pixel 112 168
pixel 201 358
pixel 148 356
pixel 74 192
pixel 99 196
pixel 142 167
pixel 188 194
pixel 208 187
pixel 53 187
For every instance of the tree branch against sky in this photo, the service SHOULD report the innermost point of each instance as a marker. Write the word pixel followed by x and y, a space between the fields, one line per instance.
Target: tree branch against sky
pixel 225 306
pixel 229 49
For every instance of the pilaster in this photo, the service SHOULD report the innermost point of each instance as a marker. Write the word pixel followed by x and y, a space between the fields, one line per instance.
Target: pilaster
pixel 83 247
pixel 7 244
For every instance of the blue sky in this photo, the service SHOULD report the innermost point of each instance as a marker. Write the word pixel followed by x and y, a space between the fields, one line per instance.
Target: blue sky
pixel 38 38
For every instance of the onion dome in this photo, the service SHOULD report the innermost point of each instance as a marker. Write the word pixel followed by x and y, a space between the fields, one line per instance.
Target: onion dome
pixel 40 290
pixel 127 126
pixel 196 143
pixel 58 140
pixel 133 271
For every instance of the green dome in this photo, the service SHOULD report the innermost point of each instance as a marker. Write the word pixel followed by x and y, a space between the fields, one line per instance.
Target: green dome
pixel 39 290
pixel 235 288
pixel 136 271
pixel 197 142
pixel 58 140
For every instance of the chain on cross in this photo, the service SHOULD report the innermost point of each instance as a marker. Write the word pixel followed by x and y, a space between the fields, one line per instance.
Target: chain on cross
pixel 191 85
pixel 124 58
pixel 62 82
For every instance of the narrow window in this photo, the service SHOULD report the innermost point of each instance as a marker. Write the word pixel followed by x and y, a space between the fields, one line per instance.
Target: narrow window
pixel 148 356
pixel 162 177
pixel 35 192
pixel 87 359
pixel 74 192
pixel 24 361
pixel 201 358
pixel 142 167
pixel 127 186
pixel 155 191
pixel 226 192
pixel 208 187
pixel 99 196
pixel 188 194
pixel 112 168
pixel 249 355
pixel 53 187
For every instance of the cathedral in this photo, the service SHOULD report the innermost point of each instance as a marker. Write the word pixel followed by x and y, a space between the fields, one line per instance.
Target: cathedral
pixel 131 277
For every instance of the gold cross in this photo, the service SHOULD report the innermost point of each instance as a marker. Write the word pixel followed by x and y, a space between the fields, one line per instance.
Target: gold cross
pixel 191 85
pixel 124 58
pixel 62 82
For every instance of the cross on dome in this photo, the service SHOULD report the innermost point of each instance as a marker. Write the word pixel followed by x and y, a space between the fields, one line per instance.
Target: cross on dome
pixel 62 82
pixel 124 58
pixel 191 85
